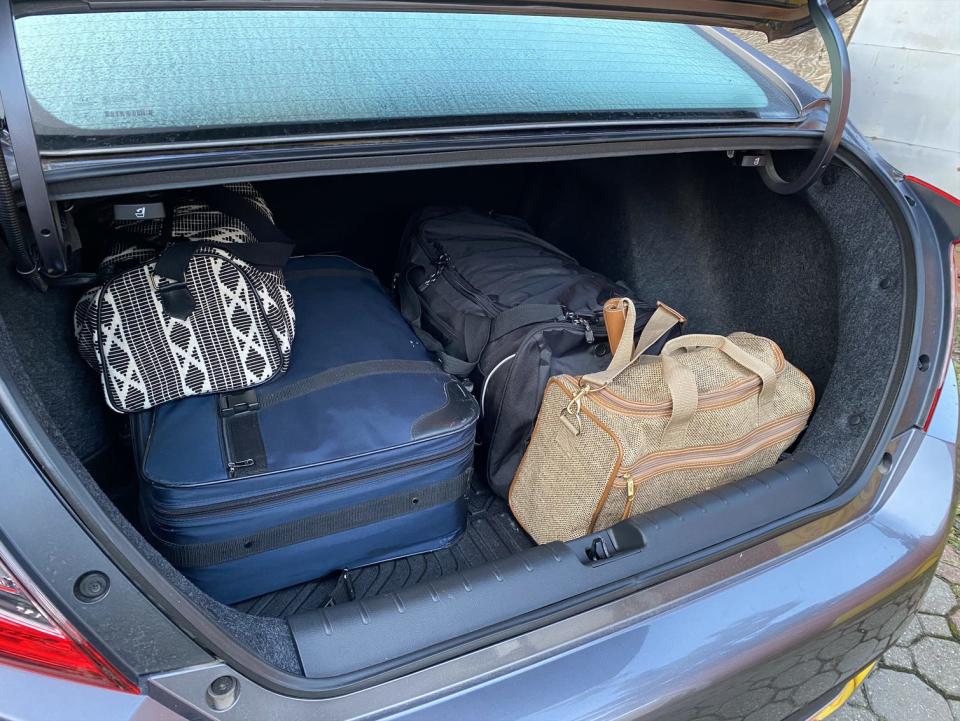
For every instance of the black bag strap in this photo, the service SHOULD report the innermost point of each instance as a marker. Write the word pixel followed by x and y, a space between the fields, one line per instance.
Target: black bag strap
pixel 233 204
pixel 173 261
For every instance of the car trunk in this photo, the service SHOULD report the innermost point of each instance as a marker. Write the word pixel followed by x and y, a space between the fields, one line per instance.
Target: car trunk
pixel 822 273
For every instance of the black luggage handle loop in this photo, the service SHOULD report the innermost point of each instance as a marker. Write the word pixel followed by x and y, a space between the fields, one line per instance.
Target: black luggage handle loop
pixel 176 298
pixel 173 261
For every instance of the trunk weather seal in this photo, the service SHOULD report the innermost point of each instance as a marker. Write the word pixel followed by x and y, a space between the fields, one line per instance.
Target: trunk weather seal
pixel 62 478
pixel 426 155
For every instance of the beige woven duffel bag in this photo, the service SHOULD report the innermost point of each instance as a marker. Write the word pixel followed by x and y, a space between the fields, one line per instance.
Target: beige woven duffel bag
pixel 651 430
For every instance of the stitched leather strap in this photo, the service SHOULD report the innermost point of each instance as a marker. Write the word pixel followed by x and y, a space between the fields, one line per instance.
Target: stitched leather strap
pixel 627 353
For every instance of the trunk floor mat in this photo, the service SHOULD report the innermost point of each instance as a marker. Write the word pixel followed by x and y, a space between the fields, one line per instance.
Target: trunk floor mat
pixel 491 534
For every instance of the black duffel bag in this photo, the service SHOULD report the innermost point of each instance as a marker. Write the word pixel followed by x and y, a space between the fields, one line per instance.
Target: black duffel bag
pixel 508 310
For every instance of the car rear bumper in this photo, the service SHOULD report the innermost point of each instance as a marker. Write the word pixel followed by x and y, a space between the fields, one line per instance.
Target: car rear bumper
pixel 768 631
pixel 775 627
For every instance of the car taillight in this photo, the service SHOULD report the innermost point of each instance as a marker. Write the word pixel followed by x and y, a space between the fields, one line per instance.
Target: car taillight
pixel 953 293
pixel 35 637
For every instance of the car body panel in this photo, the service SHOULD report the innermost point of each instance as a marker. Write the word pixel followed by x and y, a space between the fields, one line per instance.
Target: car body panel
pixel 776 18
pixel 29 696
pixel 782 623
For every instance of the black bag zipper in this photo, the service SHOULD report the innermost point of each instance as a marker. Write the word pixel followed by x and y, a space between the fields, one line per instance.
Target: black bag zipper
pixel 282 496
pixel 511 231
pixel 444 268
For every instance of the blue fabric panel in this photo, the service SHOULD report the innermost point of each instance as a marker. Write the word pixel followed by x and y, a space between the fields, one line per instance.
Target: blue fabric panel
pixel 327 450
pixel 215 526
pixel 392 538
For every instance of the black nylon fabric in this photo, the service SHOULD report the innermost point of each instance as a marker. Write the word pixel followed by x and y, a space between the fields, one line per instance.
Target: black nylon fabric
pixel 478 288
pixel 511 395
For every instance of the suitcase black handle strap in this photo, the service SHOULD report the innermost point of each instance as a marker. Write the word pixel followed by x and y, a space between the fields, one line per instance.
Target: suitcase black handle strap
pixel 344 374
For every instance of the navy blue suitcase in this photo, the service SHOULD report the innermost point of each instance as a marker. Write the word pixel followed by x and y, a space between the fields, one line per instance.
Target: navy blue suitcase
pixel 362 451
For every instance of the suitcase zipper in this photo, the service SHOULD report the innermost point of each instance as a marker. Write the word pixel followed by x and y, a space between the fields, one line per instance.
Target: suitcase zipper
pixel 724 454
pixel 441 263
pixel 582 322
pixel 445 268
pixel 717 398
pixel 282 496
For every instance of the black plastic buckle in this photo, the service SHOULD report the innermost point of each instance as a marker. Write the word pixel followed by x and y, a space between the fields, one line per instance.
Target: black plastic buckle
pixel 597 551
pixel 229 404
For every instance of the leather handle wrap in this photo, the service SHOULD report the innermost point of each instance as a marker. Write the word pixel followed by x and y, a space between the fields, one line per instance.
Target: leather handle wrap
pixel 664 318
pixel 615 319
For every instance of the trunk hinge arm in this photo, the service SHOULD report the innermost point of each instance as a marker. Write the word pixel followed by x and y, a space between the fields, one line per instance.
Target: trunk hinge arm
pixel 839 105
pixel 47 232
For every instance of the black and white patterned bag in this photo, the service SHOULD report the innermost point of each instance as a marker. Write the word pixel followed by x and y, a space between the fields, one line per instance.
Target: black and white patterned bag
pixel 207 316
pixel 190 218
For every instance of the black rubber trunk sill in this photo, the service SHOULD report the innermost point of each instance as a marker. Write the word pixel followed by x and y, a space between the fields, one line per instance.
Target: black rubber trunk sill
pixel 347 638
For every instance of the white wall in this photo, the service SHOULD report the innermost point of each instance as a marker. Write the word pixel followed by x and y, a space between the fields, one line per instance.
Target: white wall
pixel 905 64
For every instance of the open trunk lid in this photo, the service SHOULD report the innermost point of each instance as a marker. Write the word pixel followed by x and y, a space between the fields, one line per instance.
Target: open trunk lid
pixel 775 18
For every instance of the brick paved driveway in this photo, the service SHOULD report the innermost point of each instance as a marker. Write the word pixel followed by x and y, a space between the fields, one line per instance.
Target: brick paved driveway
pixel 919 678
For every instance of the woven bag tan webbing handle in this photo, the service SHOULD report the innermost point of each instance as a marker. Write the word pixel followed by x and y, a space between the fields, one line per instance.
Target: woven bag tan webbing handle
pixel 626 353
pixel 680 381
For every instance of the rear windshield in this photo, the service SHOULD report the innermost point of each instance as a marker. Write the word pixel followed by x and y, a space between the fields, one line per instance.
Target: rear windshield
pixel 123 78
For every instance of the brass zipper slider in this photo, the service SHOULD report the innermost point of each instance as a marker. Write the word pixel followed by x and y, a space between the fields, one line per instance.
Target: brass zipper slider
pixel 570 415
pixel 631 490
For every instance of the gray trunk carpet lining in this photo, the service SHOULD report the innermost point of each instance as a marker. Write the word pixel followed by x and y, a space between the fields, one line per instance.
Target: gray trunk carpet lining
pixel 491 534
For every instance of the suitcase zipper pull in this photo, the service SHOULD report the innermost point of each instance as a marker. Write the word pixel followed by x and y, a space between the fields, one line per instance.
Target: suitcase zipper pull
pixel 234 466
pixel 440 264
pixel 570 415
pixel 583 323
pixel 631 490
pixel 587 331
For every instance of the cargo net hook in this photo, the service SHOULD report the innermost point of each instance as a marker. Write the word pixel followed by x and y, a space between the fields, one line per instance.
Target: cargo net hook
pixel 839 105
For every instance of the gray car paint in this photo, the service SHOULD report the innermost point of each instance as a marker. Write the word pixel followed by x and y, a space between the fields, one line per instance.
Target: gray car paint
pixel 774 627
pixel 711 643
